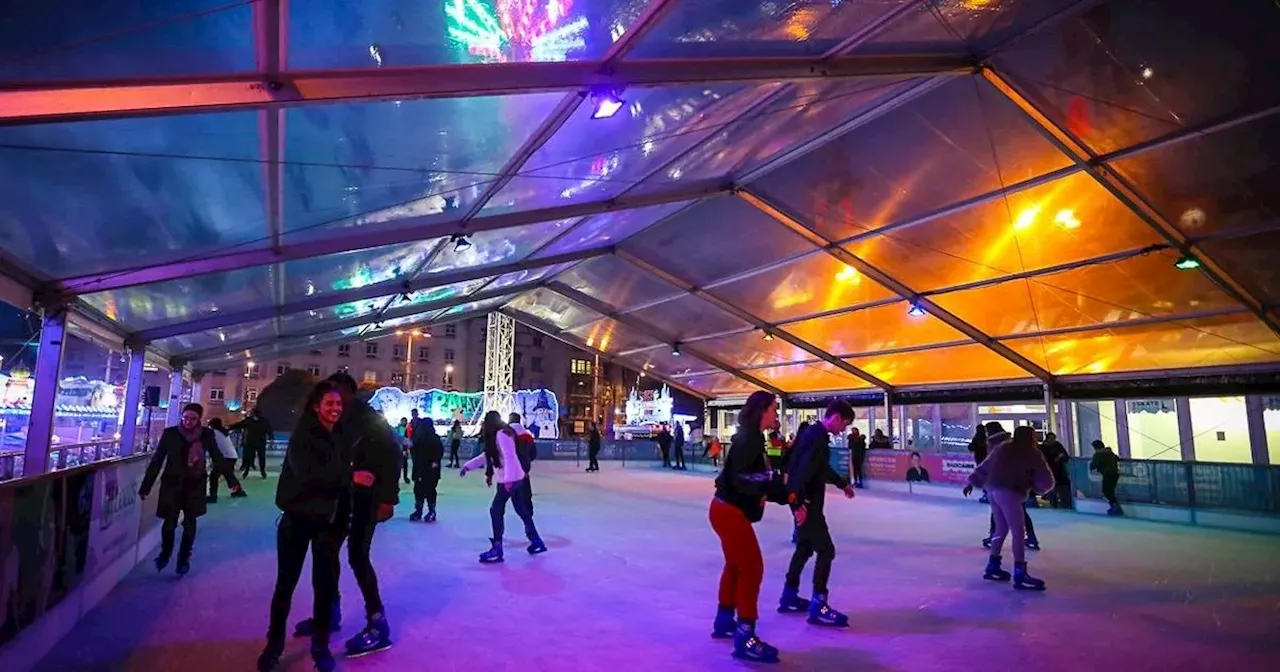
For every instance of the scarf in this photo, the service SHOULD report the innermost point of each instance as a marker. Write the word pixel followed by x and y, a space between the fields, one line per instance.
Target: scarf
pixel 195 447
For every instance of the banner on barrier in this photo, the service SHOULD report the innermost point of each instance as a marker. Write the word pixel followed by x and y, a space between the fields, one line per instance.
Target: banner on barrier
pixel 116 513
pixel 897 465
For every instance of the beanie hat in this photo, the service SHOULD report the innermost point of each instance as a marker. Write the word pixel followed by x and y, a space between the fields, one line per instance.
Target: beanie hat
pixel 996 433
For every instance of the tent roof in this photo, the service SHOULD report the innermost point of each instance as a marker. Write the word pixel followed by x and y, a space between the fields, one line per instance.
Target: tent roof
pixel 803 197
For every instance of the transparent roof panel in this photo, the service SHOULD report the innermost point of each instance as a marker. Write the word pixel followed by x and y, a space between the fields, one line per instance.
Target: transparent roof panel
pixel 89 188
pixel 749 349
pixel 482 307
pixel 185 299
pixel 352 270
pixel 957 364
pixel 420 320
pixel 815 283
pixel 245 332
pixel 283 347
pixel 1251 261
pixel 730 28
pixel 716 239
pixel 961 26
pixel 1124 72
pixel 662 362
pixel 688 317
pixel 874 329
pixel 617 283
pixel 1136 288
pixel 810 377
pixel 381 162
pixel 83 39
pixel 957 141
pixel 554 309
pixel 530 276
pixel 795 114
pixel 592 159
pixel 722 384
pixel 377 33
pixel 1219 341
pixel 610 228
pixel 1068 220
pixel 307 321
pixel 610 336
pixel 498 246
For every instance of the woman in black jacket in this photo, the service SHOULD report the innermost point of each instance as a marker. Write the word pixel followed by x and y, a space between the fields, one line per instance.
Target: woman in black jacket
pixel 182 453
pixel 741 491
pixel 314 493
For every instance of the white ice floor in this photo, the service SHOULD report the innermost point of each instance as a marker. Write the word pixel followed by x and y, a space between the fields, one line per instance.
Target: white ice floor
pixel 630 586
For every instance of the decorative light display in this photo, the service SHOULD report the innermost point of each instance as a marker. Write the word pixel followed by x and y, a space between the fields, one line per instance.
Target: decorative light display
pixel 539 408
pixel 516 30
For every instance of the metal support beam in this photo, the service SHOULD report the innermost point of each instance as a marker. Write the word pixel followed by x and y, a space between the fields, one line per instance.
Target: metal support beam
pixel 53 333
pixel 374 291
pixel 641 327
pixel 132 399
pixel 558 334
pixel 741 314
pixel 870 30
pixel 336 241
pixel 270 41
pixel 1120 187
pixel 893 285
pixel 41 102
pixel 173 414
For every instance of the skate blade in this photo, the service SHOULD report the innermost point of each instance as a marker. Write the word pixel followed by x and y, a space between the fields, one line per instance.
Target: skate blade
pixel 753 659
pixel 370 652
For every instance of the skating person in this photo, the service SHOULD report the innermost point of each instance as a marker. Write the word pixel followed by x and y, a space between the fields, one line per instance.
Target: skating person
pixel 809 475
pixel 499 443
pixel 1058 458
pixel 228 451
pixel 314 494
pixel 593 447
pixel 677 445
pixel 256 434
pixel 713 450
pixel 664 445
pixel 742 489
pixel 1012 470
pixel 857 455
pixel 978 446
pixel 1107 465
pixel 375 450
pixel 455 442
pixel 404 433
pixel 182 453
pixel 879 441
pixel 428 454
pixel 527 451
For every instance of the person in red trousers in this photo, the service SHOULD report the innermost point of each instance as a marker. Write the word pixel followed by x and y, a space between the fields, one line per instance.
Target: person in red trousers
pixel 741 492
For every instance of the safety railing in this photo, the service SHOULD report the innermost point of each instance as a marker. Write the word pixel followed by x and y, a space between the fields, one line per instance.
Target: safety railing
pixel 61 456
pixel 1196 485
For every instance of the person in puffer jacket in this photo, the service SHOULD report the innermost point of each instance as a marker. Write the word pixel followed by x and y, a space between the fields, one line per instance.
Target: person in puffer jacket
pixel 1011 470
pixel 500 452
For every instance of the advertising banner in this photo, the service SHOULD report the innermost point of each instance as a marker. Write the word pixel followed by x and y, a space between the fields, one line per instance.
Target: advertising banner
pixel 116 514
pixel 894 465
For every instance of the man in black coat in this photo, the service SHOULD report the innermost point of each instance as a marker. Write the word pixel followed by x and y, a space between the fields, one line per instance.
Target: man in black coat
pixel 1055 455
pixel 255 435
pixel 857 455
pixel 428 453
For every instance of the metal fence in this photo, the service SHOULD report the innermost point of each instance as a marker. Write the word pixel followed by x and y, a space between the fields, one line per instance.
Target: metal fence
pixel 1194 485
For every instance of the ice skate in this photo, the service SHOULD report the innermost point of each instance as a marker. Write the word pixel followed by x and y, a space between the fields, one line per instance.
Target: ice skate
pixel 536 546
pixel 1024 581
pixel 306 627
pixel 431 516
pixel 791 602
pixel 494 554
pixel 821 613
pixel 1032 543
pixel 269 659
pixel 724 625
pixel 322 657
pixel 162 560
pixel 375 637
pixel 994 571
pixel 415 516
pixel 747 646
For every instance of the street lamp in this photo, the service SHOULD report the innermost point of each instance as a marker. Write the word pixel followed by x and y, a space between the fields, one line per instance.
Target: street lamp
pixel 408 355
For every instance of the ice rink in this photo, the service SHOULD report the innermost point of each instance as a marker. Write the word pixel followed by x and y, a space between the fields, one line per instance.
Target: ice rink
pixel 629 585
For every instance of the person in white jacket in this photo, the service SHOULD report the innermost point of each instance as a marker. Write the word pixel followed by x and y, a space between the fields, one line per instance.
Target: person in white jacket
pixel 228 450
pixel 499 442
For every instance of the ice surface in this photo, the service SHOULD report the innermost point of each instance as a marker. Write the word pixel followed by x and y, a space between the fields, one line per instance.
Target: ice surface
pixel 630 585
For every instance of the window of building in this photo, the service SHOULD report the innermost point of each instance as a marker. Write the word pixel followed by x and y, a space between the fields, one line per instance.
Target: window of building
pixel 314 370
pixel 217 395
pixel 424 354
pixel 450 331
pixel 251 394
pixel 252 371
pixel 344 350
pixel 1220 430
pixel 421 379
pixel 446 381
pixel 281 368
pixel 1271 422
pixel 1153 429
pixel 537 340
pixel 371 349
pixel 536 364
pixel 580 367
pixel 1095 421
pixel 448 355
pixel 370 376
pixel 397 379
pixel 316 353
pixel 397 351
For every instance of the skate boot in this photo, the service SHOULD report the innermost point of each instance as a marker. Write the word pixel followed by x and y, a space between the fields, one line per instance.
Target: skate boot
pixel 724 626
pixel 791 602
pixel 162 560
pixel 431 516
pixel 307 626
pixel 375 637
pixel 1115 510
pixel 494 554
pixel 1024 581
pixel 986 542
pixel 415 516
pixel 536 546
pixel 747 646
pixel 184 553
pixel 239 494
pixel 821 613
pixel 269 659
pixel 184 565
pixel 211 499
pixel 323 658
pixel 1032 543
pixel 994 571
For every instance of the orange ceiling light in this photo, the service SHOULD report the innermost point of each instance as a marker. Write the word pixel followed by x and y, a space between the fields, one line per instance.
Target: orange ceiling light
pixel 1066 218
pixel 1027 218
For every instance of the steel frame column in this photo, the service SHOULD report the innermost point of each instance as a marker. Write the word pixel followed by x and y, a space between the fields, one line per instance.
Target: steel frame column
pixel 1256 413
pixel 1186 429
pixel 640 326
pixel 177 376
pixel 133 386
pixel 1127 194
pixel 270 39
pixel 53 332
pixel 894 285
pixel 738 312
pixel 1121 411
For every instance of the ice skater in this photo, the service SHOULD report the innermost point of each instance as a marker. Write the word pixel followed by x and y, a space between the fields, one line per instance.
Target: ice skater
pixel 499 443
pixel 455 442
pixel 255 434
pixel 1107 465
pixel 182 453
pixel 593 447
pixel 809 475
pixel 228 450
pixel 1012 470
pixel 742 488
pixel 428 453
pixel 527 452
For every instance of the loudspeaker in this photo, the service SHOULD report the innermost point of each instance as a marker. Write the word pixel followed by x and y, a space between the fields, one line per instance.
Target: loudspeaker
pixel 151 398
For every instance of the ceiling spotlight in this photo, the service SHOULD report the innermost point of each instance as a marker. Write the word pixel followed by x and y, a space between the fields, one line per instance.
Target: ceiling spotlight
pixel 916 310
pixel 675 350
pixel 768 336
pixel 607 104
pixel 460 242
pixel 1147 72
pixel 1186 263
